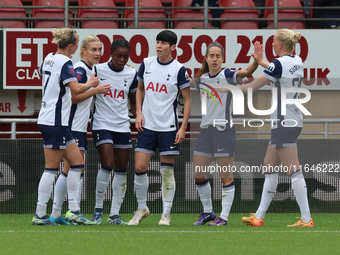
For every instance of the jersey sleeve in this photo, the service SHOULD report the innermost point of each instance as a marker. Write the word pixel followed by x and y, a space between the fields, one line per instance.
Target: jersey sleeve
pixel 231 77
pixel 68 73
pixel 140 76
pixel 183 78
pixel 273 71
pixel 134 85
pixel 81 75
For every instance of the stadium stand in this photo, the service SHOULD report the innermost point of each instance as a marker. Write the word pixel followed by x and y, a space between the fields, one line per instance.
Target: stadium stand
pixel 286 13
pixel 330 13
pixel 187 13
pixel 98 13
pixel 146 13
pixel 49 13
pixel 244 13
pixel 12 13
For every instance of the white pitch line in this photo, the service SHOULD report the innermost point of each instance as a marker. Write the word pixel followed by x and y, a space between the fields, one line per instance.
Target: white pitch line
pixel 170 231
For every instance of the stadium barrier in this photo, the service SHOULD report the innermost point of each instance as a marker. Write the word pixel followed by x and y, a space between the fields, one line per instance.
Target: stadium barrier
pixel 22 164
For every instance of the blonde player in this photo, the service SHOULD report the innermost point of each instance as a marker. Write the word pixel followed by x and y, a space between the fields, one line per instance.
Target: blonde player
pixel 284 72
pixel 90 53
pixel 58 80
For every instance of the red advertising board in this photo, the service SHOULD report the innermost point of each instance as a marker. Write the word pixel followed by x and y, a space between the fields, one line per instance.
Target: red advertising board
pixel 23 53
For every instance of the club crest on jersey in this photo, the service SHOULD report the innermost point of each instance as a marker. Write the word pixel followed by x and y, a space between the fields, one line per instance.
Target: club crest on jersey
pixel 157 87
pixel 72 71
pixel 169 75
pixel 116 94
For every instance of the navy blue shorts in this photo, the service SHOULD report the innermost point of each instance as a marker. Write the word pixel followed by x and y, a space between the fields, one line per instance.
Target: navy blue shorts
pixel 118 140
pixel 81 140
pixel 56 137
pixel 214 143
pixel 284 137
pixel 149 140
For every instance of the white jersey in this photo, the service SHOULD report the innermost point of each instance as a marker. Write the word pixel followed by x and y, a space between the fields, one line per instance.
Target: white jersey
pixel 111 109
pixel 57 71
pixel 285 72
pixel 162 83
pixel 217 111
pixel 80 113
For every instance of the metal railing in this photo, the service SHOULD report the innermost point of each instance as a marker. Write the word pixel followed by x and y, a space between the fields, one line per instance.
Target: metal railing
pixel 326 122
pixel 205 18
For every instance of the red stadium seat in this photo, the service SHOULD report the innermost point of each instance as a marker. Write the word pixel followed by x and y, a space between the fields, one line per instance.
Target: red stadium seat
pixel 12 13
pixel 187 13
pixel 49 13
pixel 98 13
pixel 286 13
pixel 146 13
pixel 240 13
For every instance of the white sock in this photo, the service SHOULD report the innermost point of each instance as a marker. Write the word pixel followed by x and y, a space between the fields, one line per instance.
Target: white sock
pixel 300 192
pixel 80 186
pixel 141 187
pixel 60 192
pixel 73 180
pixel 44 190
pixel 168 186
pixel 103 179
pixel 269 189
pixel 228 193
pixel 204 191
pixel 118 191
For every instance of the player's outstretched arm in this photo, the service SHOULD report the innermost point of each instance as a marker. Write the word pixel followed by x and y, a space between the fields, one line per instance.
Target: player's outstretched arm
pixel 139 102
pixel 78 88
pixel 255 85
pixel 186 114
pixel 100 89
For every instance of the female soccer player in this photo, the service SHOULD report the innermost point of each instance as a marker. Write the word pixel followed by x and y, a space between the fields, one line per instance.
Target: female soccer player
pixel 111 128
pixel 58 80
pixel 160 80
pixel 284 72
pixel 90 53
pixel 216 140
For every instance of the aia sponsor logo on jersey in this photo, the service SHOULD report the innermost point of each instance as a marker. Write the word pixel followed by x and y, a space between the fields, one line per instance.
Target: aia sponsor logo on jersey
pixel 157 87
pixel 116 94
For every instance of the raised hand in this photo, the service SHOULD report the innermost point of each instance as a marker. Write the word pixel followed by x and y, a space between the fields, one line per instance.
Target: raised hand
pixel 94 81
pixel 258 52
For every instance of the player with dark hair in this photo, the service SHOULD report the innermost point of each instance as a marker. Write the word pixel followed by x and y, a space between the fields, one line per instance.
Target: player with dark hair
pixel 160 78
pixel 111 128
pixel 286 71
pixel 216 140
pixel 58 80
pixel 90 53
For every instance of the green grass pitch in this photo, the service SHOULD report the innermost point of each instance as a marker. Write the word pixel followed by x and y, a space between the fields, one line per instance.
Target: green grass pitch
pixel 18 236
